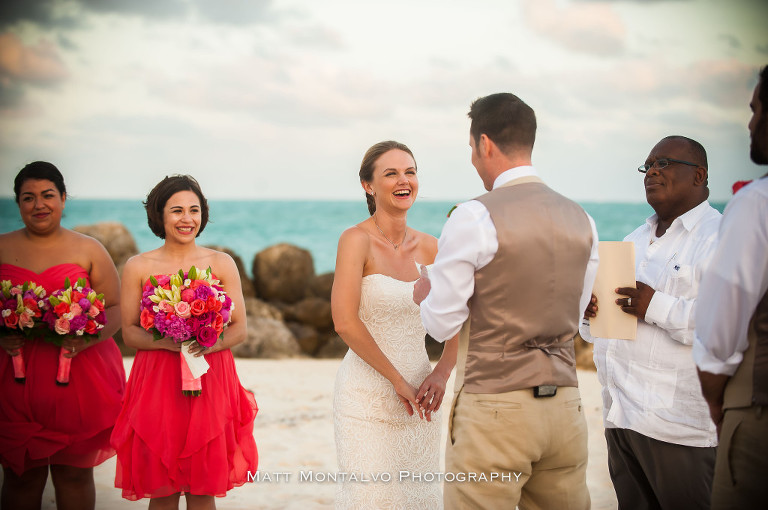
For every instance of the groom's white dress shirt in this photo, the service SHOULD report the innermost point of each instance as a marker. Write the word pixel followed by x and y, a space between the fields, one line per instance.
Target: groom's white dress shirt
pixel 467 244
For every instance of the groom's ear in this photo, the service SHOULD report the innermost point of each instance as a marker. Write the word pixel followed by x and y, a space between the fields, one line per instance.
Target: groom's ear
pixel 486 146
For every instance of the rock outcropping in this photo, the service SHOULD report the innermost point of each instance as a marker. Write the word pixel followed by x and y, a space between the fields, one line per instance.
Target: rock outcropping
pixel 116 239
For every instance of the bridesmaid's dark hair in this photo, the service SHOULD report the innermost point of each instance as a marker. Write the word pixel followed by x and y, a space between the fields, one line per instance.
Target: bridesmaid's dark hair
pixel 160 194
pixel 39 170
pixel 372 155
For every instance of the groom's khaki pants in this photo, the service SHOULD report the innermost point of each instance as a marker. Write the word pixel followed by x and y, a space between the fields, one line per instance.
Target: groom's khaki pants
pixel 513 449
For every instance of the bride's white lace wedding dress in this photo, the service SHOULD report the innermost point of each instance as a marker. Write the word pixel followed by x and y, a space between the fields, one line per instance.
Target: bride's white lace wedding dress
pixel 388 459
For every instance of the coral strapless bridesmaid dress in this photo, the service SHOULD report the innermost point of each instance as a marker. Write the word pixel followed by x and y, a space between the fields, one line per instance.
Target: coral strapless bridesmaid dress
pixel 167 442
pixel 42 423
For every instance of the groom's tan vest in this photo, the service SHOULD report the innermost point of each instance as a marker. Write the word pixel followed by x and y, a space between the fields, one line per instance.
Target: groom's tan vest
pixel 749 385
pixel 525 309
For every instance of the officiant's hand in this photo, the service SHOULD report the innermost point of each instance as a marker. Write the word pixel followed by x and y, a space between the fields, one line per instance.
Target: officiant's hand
pixel 637 301
pixel 591 310
pixel 422 286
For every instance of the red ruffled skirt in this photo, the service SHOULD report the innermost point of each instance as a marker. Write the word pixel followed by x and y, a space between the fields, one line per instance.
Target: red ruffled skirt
pixel 167 442
pixel 42 423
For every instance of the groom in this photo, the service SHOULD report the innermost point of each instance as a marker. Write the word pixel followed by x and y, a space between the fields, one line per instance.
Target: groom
pixel 518 262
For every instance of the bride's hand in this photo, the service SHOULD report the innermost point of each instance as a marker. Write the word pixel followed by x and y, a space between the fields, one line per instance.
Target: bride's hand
pixel 431 392
pixel 407 395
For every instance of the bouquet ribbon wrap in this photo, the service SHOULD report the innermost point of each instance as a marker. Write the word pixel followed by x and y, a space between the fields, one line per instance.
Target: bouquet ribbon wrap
pixel 18 367
pixel 192 370
pixel 62 376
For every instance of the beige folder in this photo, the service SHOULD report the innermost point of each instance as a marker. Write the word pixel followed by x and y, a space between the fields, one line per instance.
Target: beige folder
pixel 616 269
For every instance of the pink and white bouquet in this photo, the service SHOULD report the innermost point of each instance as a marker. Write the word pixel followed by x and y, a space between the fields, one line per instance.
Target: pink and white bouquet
pixel 22 309
pixel 185 307
pixel 73 311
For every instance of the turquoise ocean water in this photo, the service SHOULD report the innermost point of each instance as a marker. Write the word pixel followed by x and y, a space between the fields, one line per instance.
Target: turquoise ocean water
pixel 249 226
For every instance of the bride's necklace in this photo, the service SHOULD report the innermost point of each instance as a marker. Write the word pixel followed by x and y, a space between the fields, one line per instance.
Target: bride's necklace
pixel 395 246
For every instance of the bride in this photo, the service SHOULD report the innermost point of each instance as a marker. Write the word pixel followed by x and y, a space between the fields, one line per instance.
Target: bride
pixel 386 393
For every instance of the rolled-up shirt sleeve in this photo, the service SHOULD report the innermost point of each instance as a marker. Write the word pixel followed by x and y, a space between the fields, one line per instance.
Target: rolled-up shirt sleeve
pixel 468 243
pixel 736 281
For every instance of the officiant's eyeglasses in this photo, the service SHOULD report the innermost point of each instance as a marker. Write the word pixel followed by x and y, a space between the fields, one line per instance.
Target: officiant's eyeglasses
pixel 663 163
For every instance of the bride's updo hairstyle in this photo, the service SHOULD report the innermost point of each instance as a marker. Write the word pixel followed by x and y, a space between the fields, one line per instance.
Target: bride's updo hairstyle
pixel 372 155
pixel 39 170
pixel 164 190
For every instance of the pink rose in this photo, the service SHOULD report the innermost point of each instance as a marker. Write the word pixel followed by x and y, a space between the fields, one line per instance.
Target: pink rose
pixel 61 326
pixel 165 306
pixel 182 309
pixel 25 321
pixel 207 336
pixel 93 312
pixel 188 295
pixel 75 309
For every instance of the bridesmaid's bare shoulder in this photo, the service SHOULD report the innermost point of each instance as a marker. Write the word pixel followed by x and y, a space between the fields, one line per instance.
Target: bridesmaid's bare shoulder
pixel 8 241
pixel 222 263
pixel 140 266
pixel 84 245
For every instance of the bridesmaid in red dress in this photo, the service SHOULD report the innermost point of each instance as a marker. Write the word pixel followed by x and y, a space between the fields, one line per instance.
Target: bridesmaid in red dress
pixel 64 429
pixel 168 443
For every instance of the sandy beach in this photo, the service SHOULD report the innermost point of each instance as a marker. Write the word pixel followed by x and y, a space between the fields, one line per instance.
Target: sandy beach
pixel 294 434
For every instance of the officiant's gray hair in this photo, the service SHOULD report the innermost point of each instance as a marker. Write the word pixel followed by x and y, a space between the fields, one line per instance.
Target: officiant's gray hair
pixel 372 155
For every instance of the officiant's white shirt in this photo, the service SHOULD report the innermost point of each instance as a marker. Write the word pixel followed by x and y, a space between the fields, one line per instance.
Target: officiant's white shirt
pixel 467 244
pixel 650 385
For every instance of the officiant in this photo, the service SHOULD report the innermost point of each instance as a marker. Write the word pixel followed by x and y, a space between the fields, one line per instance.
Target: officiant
pixel 661 442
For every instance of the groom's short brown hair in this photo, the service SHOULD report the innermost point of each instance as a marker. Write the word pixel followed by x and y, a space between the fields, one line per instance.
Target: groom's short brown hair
pixel 505 119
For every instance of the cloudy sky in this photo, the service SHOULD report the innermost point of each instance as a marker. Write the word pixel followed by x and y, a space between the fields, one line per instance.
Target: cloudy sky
pixel 281 98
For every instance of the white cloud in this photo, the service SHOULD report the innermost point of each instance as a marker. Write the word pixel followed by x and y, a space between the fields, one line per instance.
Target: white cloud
pixel 282 98
pixel 592 28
